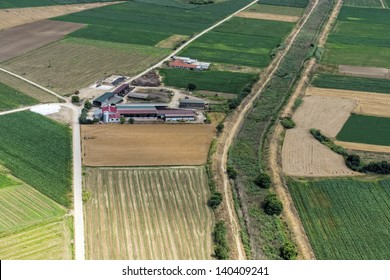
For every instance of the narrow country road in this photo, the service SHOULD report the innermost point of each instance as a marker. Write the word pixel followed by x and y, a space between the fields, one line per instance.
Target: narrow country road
pixel 15 110
pixel 233 129
pixel 77 167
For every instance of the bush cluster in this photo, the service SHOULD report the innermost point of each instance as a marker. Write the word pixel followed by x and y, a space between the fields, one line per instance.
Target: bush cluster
pixel 263 181
pixel 288 251
pixel 215 200
pixel 221 249
pixel 288 122
pixel 272 205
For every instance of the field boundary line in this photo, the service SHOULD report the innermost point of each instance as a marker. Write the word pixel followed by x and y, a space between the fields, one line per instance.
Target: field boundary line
pixel 16 110
pixel 237 119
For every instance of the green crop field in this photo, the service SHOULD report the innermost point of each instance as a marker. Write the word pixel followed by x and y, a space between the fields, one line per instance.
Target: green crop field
pixel 11 98
pixel 6 181
pixel 37 150
pixel 5 4
pixel 279 10
pixel 345 218
pixel 351 83
pixel 149 22
pixel 290 3
pixel 367 130
pixel 240 41
pixel 219 81
pixel 155 213
pixel 22 205
pixel 359 38
pixel 363 3
pixel 50 241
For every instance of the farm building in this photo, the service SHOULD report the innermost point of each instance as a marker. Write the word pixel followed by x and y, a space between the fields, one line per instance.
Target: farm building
pixel 192 103
pixel 135 95
pixel 122 90
pixel 112 114
pixel 188 63
pixel 107 98
pixel 113 80
pixel 176 115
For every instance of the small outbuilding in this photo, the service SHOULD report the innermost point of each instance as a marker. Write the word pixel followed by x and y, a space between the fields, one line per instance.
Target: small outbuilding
pixel 192 103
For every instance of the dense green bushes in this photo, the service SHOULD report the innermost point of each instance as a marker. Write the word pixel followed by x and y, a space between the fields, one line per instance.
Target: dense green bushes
pixel 288 122
pixel 272 205
pixel 221 249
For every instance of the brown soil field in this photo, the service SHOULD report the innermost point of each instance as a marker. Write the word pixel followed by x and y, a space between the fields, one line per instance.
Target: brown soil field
pixel 370 72
pixel 368 103
pixel 302 155
pixel 264 16
pixel 27 88
pixel 146 145
pixel 172 41
pixel 65 116
pixel 19 16
pixel 364 147
pixel 148 214
pixel 77 63
pixel 22 39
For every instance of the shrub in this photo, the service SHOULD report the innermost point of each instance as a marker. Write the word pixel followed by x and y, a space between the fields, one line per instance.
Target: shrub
pixel 221 249
pixel 232 173
pixel 122 120
pixel 263 181
pixel 215 200
pixel 191 87
pixel 272 205
pixel 75 99
pixel 353 161
pixel 288 251
pixel 220 127
pixel 131 121
pixel 288 123
pixel 88 105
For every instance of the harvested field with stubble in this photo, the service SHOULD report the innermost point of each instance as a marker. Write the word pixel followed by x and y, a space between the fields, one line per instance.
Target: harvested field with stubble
pixel 19 16
pixel 302 155
pixel 368 103
pixel 154 213
pixel 146 145
pixel 369 72
pixel 71 64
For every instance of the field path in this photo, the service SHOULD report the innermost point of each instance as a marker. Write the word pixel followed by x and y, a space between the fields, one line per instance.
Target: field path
pixel 290 212
pixel 16 110
pixel 232 128
pixel 383 4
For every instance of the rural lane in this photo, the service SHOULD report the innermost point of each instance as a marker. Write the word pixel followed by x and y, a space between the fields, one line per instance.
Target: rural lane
pixel 15 110
pixel 77 166
pixel 236 124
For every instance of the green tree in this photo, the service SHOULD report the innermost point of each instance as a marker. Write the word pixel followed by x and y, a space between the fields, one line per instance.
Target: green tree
pixel 215 200
pixel 87 105
pixel 263 180
pixel 288 251
pixel 131 121
pixel 220 127
pixel 75 99
pixel 232 173
pixel 191 87
pixel 272 205
pixel 122 120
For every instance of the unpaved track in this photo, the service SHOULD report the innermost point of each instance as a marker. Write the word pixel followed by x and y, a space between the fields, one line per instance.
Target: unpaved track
pixel 265 16
pixel 290 213
pixel 232 127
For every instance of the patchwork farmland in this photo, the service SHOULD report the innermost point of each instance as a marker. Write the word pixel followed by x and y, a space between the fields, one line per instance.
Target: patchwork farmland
pixel 32 226
pixel 148 214
pixel 40 161
pixel 6 4
pixel 11 98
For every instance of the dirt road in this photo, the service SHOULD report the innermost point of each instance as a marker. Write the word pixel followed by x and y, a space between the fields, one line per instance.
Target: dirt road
pixel 290 213
pixel 232 126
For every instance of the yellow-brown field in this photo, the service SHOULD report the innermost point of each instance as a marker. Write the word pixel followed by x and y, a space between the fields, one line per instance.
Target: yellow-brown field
pixel 146 145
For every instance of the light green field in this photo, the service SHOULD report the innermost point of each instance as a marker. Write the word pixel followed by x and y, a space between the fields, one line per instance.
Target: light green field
pixel 156 213
pixel 48 241
pixel 272 9
pixel 11 98
pixel 363 3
